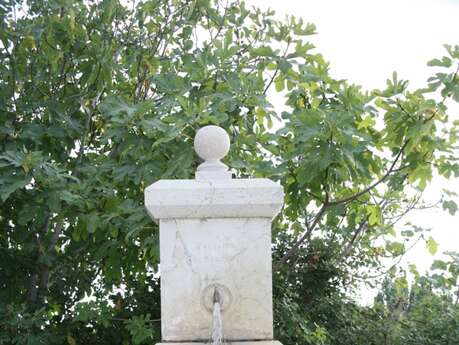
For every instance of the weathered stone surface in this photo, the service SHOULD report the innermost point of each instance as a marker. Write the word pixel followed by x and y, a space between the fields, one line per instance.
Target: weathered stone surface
pixel 231 253
pixel 168 199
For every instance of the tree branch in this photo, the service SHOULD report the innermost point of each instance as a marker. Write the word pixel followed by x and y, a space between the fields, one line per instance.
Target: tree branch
pixel 374 184
pixel 349 246
pixel 303 238
pixel 277 69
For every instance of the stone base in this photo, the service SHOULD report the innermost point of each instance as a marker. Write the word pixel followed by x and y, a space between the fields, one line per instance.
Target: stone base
pixel 248 342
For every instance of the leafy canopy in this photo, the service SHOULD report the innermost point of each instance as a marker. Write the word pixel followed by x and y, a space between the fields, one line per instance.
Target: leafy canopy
pixel 99 99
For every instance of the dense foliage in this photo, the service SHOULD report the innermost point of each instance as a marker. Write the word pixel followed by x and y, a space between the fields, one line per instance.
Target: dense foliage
pixel 99 99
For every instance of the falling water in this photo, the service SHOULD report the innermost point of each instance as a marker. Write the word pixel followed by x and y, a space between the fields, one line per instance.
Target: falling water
pixel 217 329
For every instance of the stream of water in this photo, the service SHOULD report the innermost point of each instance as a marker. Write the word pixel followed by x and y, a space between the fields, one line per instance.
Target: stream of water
pixel 217 327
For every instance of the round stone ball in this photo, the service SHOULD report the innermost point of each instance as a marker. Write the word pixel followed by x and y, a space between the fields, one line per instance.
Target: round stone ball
pixel 211 143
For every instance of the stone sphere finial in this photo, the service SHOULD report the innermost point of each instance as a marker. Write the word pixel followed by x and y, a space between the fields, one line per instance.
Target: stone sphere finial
pixel 212 143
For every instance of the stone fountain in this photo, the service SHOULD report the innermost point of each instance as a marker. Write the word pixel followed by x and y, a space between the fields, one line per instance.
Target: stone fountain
pixel 215 250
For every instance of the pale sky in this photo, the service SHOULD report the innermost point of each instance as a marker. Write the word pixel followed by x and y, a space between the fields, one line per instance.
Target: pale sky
pixel 365 41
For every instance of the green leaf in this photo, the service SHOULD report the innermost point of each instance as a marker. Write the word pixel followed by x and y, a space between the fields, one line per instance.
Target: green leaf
pixel 374 214
pixel 451 206
pixel 70 198
pixel 262 51
pixel 92 222
pixel 367 122
pixel 228 38
pixel 279 83
pixel 444 62
pixel 413 269
pixel 13 184
pixel 261 114
pixel 11 158
pixel 432 246
pixel 453 51
pixel 407 233
pixel 439 265
pixel 139 329
pixel 395 248
pixel 308 29
pixel 422 174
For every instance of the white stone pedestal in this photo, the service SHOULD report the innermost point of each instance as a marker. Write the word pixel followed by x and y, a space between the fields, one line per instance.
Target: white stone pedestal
pixel 215 233
pixel 261 342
